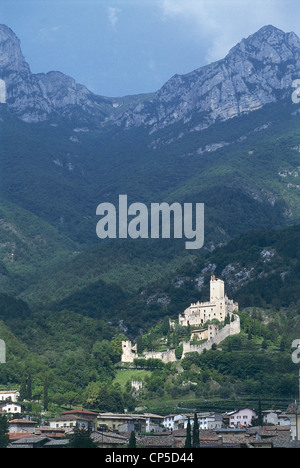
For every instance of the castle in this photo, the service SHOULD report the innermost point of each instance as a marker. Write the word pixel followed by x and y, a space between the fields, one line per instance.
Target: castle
pixel 218 308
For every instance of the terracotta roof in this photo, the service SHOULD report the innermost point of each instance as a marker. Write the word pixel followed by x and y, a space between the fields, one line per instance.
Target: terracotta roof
pixel 20 435
pixel 125 416
pixel 9 391
pixel 156 441
pixel 71 417
pixel 21 421
pixel 80 411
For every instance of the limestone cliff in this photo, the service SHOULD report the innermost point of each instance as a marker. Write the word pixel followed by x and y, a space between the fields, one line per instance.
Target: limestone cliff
pixel 259 70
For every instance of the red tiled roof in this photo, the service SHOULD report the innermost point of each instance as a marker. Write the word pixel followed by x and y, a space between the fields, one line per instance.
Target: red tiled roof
pixel 21 421
pixel 80 411
pixel 20 435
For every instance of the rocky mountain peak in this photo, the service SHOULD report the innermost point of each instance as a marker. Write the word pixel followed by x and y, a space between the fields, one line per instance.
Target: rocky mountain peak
pixel 268 45
pixel 257 71
pixel 11 57
pixel 36 97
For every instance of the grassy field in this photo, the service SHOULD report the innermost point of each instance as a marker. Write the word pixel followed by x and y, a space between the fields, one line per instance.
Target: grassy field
pixel 127 375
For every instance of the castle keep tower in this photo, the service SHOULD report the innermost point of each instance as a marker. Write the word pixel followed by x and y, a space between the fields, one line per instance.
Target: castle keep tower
pixel 216 289
pixel 217 308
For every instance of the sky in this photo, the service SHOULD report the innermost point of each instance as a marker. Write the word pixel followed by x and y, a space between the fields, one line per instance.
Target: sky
pixel 124 47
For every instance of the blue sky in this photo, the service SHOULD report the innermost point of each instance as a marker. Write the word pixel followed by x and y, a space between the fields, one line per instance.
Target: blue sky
pixel 125 47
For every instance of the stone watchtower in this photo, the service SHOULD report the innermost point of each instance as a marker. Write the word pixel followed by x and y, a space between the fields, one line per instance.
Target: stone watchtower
pixel 217 291
pixel 129 352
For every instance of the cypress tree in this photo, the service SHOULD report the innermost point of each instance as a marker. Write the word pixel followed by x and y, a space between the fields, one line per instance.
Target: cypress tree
pixel 46 401
pixel 4 438
pixel 196 443
pixel 132 440
pixel 188 441
pixel 29 388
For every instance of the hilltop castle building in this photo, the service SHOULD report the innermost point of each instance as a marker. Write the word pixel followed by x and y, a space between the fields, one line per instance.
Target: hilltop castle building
pixel 217 308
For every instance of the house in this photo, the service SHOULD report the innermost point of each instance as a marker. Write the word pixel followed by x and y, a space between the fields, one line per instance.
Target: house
pixel 207 420
pixel 10 407
pixel 51 433
pixel 29 442
pixel 271 417
pixel 91 416
pixel 157 441
pixel 11 395
pixel 241 418
pixel 69 422
pixel 34 441
pixel 80 418
pixel 18 426
pixel 109 439
pixel 122 422
pixel 199 335
pixel 293 413
pixel 154 422
pixel 172 421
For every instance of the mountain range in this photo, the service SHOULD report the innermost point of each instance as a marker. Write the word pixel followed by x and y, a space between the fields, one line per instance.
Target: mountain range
pixel 225 135
pixel 257 71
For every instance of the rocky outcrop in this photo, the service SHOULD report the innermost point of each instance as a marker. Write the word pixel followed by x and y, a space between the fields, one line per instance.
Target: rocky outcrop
pixel 38 97
pixel 257 71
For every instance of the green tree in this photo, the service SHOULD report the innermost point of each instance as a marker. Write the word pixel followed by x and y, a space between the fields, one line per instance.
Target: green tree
pixel 139 345
pixel 23 390
pixel 132 440
pixel 188 439
pixel 104 397
pixel 259 414
pixel 4 439
pixel 81 438
pixel 196 443
pixel 165 327
pixel 46 398
pixel 29 388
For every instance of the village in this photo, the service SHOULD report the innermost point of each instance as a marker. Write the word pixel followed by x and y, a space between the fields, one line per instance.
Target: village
pixel 234 429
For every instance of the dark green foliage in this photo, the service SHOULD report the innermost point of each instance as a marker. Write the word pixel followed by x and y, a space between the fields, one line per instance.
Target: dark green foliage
pixel 104 397
pixel 132 440
pixel 81 439
pixel 188 439
pixel 196 442
pixel 80 294
pixel 4 438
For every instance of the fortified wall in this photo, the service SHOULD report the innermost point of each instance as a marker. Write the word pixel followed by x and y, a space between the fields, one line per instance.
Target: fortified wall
pixel 129 354
pixel 233 328
pixel 218 308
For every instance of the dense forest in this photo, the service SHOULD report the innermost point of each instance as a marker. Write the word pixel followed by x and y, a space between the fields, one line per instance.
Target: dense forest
pixel 70 354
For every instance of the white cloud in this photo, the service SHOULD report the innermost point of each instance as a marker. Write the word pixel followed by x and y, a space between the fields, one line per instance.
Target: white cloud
pixel 113 15
pixel 49 33
pixel 220 24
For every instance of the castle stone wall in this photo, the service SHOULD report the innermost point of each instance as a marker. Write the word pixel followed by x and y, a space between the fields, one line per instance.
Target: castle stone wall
pixel 233 328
